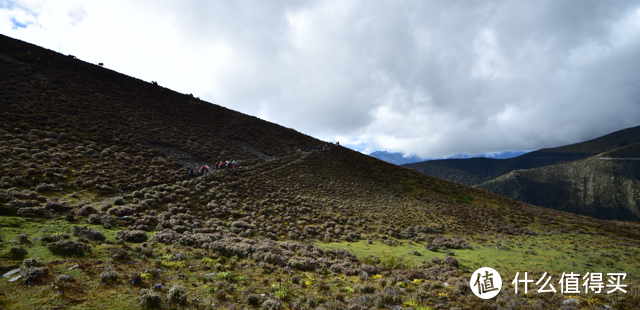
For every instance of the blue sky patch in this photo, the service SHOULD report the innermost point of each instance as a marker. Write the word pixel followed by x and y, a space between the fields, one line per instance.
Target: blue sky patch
pixel 6 5
pixel 17 24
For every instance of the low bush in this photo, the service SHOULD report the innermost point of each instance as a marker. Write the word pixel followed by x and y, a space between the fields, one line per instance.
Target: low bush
pixel 18 252
pixel 177 295
pixel 32 262
pixel 33 274
pixel 271 304
pixel 32 212
pixel 252 300
pixel 149 298
pixel 88 233
pixel 68 248
pixel 134 236
pixel 109 276
pixel 451 261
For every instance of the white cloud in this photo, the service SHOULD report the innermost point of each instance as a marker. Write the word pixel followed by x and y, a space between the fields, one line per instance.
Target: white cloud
pixel 431 78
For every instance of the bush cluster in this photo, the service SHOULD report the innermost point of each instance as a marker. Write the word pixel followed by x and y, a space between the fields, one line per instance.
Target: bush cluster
pixel 68 248
pixel 88 233
pixel 134 236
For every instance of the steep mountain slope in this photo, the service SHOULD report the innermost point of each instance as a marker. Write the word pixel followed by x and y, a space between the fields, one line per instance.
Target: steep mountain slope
pixel 97 209
pixel 606 186
pixel 474 171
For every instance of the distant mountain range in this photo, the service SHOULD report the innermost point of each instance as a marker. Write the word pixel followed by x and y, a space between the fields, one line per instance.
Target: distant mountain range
pixel 400 159
pixel 599 177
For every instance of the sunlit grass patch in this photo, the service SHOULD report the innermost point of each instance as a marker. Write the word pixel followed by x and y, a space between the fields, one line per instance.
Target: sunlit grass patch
pixel 543 253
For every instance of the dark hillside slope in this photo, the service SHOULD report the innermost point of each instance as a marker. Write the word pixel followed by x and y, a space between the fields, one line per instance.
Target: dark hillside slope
pixel 97 210
pixel 474 171
pixel 606 186
pixel 76 96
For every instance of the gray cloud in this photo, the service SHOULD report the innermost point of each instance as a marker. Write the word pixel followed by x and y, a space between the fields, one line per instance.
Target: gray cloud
pixel 430 78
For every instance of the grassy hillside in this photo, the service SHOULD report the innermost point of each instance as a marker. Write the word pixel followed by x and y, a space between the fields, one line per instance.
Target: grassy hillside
pixel 97 209
pixel 474 171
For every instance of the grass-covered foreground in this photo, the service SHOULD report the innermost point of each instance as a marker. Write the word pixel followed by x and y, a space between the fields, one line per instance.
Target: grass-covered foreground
pixel 404 272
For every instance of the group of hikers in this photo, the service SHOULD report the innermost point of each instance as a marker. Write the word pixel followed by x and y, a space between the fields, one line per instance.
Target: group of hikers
pixel 204 169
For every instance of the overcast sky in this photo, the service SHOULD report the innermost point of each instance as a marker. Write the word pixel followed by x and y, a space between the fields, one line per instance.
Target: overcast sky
pixel 426 78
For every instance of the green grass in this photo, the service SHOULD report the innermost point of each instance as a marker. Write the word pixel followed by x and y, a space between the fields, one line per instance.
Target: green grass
pixel 551 253
pixel 11 227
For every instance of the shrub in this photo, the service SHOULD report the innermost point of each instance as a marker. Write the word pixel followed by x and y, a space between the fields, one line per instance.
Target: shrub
pixel 48 238
pixel 23 239
pixel 455 243
pixel 88 233
pixel 271 304
pixel 68 248
pixel 57 206
pixel 109 276
pixel 64 279
pixel 451 261
pixel 32 212
pixel 283 294
pixel 94 219
pixel 437 260
pixel 120 254
pixel 149 298
pixel 227 276
pixel 177 295
pixel 135 236
pixel 107 221
pixel 253 299
pixel 120 211
pixel 365 289
pixel 86 210
pixel 32 262
pixel 18 252
pixel 33 274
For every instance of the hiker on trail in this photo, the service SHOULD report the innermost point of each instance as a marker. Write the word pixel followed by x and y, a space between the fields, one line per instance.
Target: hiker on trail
pixel 190 173
pixel 216 166
pixel 206 168
pixel 308 149
pixel 322 147
pixel 299 151
pixel 337 143
pixel 202 170
pixel 233 164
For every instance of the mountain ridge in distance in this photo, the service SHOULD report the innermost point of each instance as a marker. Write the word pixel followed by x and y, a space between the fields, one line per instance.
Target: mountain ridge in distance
pixel 475 171
pixel 575 178
pixel 605 186
pixel 398 158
